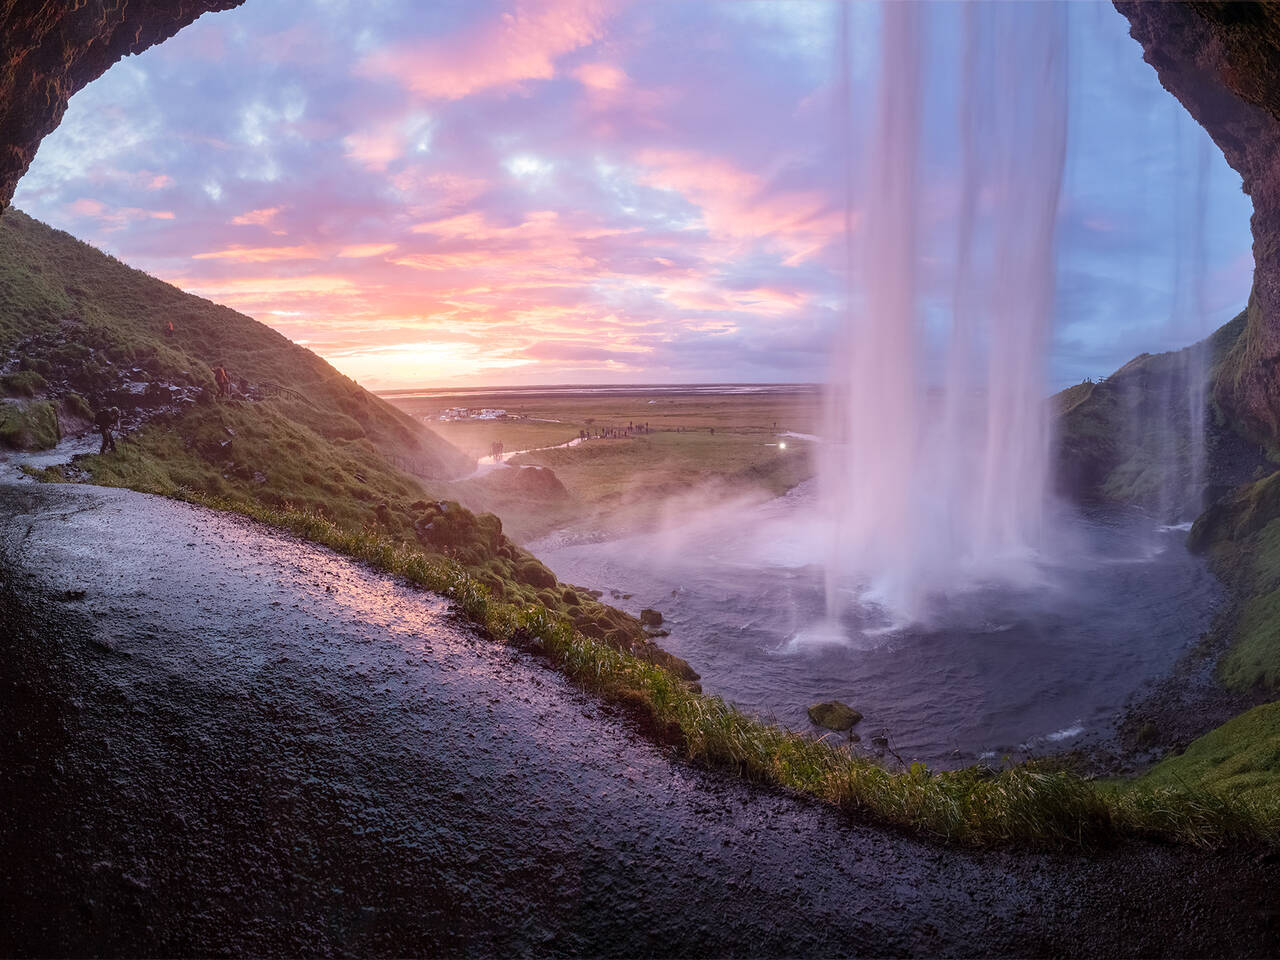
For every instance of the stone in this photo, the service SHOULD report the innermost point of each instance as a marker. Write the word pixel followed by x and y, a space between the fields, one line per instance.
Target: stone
pixel 650 617
pixel 834 715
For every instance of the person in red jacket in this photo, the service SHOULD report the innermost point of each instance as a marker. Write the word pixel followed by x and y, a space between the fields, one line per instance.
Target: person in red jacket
pixel 222 380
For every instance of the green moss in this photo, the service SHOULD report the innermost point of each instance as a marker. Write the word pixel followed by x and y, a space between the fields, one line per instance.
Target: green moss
pixel 78 406
pixel 1241 758
pixel 28 425
pixel 1241 535
pixel 534 573
pixel 1254 657
pixel 24 383
pixel 834 715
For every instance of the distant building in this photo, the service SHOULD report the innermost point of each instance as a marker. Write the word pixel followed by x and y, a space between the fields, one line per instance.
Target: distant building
pixel 471 413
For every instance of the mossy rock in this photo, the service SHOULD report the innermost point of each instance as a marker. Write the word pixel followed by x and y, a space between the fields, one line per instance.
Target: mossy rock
pixel 534 573
pixel 834 715
pixel 24 383
pixel 77 407
pixel 29 425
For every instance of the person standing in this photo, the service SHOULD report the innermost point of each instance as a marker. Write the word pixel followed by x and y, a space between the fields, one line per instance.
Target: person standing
pixel 106 421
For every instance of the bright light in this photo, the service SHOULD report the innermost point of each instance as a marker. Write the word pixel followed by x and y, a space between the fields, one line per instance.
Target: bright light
pixel 525 165
pixel 782 445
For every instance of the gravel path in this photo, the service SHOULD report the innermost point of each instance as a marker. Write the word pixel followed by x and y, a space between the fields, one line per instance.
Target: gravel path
pixel 220 740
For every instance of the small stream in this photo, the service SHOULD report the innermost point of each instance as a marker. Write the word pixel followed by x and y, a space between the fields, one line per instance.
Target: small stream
pixel 998 670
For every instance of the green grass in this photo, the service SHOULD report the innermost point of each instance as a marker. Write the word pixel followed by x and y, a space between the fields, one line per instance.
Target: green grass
pixel 1241 535
pixel 1241 758
pixel 28 425
pixel 24 383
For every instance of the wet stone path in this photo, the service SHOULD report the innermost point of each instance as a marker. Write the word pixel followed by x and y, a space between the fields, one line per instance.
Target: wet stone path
pixel 220 740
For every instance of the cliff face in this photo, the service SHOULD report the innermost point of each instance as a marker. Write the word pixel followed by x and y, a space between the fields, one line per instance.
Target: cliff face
pixel 49 49
pixel 1222 61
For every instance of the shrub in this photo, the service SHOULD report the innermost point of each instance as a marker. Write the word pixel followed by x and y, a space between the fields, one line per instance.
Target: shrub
pixel 77 406
pixel 29 425
pixel 24 383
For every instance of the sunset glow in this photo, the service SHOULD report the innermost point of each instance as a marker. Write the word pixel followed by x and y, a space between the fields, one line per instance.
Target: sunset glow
pixel 571 191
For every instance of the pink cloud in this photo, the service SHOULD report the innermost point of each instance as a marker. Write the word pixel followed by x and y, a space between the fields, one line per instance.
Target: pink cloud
pixel 259 218
pixel 428 192
pixel 260 254
pixel 374 150
pixel 86 207
pixel 359 251
pixel 499 54
pixel 270 292
pixel 740 205
pixel 115 218
pixel 600 76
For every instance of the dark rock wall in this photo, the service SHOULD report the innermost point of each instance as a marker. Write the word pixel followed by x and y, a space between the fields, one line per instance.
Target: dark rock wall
pixel 49 49
pixel 1222 61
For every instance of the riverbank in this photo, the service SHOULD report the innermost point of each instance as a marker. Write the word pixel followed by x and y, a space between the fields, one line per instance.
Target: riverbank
pixel 237 742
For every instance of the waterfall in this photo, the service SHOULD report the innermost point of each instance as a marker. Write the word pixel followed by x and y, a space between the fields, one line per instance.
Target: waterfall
pixel 1167 401
pixel 934 475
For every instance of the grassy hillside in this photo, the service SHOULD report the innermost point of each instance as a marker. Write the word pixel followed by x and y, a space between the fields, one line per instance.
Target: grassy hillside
pixel 1242 757
pixel 94 325
pixel 1125 439
pixel 1241 535
pixel 298 443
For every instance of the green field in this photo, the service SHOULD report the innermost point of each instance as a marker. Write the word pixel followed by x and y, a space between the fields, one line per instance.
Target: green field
pixel 713 444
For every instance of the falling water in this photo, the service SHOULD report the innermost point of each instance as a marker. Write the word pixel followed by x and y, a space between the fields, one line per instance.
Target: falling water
pixel 935 475
pixel 1191 315
pixel 1166 406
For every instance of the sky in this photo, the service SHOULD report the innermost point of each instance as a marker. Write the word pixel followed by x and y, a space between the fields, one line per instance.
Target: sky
pixel 582 191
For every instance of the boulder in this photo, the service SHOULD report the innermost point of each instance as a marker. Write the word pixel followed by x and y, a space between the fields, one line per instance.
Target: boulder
pixel 834 715
pixel 650 618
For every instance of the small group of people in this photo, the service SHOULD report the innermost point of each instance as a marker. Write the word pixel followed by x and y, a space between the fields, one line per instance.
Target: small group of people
pixel 615 433
pixel 496 450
